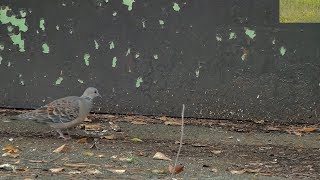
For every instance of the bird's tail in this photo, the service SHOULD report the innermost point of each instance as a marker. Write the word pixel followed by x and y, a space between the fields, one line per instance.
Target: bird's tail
pixel 36 115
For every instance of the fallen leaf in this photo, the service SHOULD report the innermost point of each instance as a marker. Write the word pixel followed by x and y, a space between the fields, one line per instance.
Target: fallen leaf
pixel 273 128
pixel 161 156
pixel 117 171
pixel 156 171
pixel 93 171
pixel 12 155
pixel 114 126
pixel 136 140
pixel 237 171
pixel 215 170
pixel 110 137
pixel 173 123
pixel 307 129
pixel 127 159
pixel 176 170
pixel 163 118
pixel 92 127
pixel 101 156
pixel 76 165
pixel 55 170
pixel 83 140
pixel 10 149
pixel 8 167
pixel 87 120
pixel 216 151
pixel 88 154
pixel 74 172
pixel 62 149
pixel 138 122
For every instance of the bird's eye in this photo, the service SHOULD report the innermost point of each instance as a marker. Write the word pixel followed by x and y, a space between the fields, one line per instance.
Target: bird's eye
pixel 95 92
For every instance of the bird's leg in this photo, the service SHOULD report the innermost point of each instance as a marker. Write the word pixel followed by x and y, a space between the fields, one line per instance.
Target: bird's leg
pixel 61 135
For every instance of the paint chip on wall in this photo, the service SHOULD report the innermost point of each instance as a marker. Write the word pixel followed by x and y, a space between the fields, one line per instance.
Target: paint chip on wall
pixel 282 50
pixel 128 3
pixel 41 24
pixel 250 33
pixel 86 58
pixel 138 82
pixel 176 7
pixel 59 80
pixel 114 62
pixel 111 45
pixel 45 48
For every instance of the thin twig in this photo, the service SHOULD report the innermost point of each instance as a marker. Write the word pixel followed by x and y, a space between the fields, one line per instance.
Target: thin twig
pixel 181 138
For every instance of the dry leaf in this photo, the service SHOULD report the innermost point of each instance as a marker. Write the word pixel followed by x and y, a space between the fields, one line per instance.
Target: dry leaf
pixel 136 140
pixel 173 123
pixel 237 171
pixel 215 170
pixel 110 137
pixel 161 156
pixel 307 129
pixel 76 165
pixel 93 171
pixel 199 145
pixel 88 154
pixel 117 171
pixel 87 120
pixel 13 155
pixel 138 122
pixel 83 140
pixel 74 172
pixel 176 170
pixel 10 149
pixel 62 149
pixel 126 159
pixel 8 167
pixel 156 171
pixel 163 118
pixel 92 127
pixel 273 128
pixel 216 151
pixel 55 170
pixel 101 156
pixel 114 126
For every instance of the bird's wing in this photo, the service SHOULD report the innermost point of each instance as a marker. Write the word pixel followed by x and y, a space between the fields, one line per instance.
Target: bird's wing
pixel 59 111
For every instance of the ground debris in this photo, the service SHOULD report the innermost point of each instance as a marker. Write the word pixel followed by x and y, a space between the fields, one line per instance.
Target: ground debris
pixel 161 156
pixel 62 149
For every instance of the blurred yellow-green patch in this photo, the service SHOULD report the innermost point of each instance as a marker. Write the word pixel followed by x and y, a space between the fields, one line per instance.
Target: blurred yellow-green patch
pixel 299 11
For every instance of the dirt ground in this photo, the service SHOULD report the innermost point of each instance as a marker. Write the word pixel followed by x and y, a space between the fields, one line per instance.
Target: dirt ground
pixel 122 147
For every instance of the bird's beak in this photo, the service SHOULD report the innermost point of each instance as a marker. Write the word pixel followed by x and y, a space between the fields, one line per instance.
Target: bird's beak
pixel 99 95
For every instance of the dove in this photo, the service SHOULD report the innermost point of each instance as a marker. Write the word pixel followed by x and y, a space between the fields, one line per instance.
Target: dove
pixel 65 112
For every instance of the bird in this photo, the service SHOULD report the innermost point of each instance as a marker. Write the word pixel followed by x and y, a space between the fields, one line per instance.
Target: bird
pixel 64 113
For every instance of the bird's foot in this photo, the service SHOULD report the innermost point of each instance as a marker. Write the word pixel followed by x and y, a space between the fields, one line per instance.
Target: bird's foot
pixel 62 136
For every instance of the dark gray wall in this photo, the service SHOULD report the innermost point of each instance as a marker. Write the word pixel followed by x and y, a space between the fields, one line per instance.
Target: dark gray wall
pixel 225 59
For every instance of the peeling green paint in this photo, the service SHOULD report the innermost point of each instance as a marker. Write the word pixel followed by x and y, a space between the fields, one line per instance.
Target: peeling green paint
pixel 143 23
pixel 139 81
pixel 111 45
pixel 218 38
pixel 80 81
pixel 128 3
pixel 232 35
pixel 4 19
pixel 155 56
pixel 16 39
pixel 41 24
pixel 86 58
pixel 23 13
pixel 114 62
pixel 136 55
pixel 114 13
pixel 57 27
pixel 1 59
pixel 128 51
pixel 9 64
pixel 282 50
pixel 161 22
pixel 176 7
pixel 45 48
pixel 274 41
pixel 250 33
pixel 1 46
pixel 59 80
pixel 96 45
pixel 10 28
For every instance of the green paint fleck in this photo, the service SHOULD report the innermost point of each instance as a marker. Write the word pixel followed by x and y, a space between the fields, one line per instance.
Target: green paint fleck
pixel 1 47
pixel 16 39
pixel 23 13
pixel 176 7
pixel 4 19
pixel 10 28
pixel 218 38
pixel 59 80
pixel 273 41
pixel 143 23
pixel 57 27
pixel 155 56
pixel 41 24
pixel 114 62
pixel 161 22
pixel 139 81
pixel 111 45
pixel 128 3
pixel 80 81
pixel 96 44
pixel 9 64
pixel 282 50
pixel 1 59
pixel 128 51
pixel 86 58
pixel 45 48
pixel 114 13
pixel 137 55
pixel 232 35
pixel 250 33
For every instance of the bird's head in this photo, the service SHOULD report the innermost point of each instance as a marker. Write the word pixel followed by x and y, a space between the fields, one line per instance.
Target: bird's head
pixel 91 93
